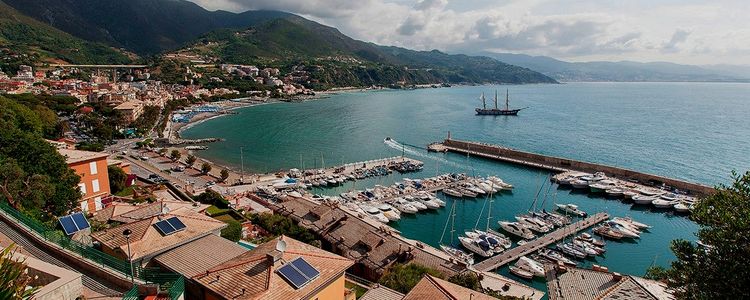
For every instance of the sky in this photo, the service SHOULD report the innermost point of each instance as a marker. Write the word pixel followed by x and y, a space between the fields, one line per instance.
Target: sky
pixel 687 31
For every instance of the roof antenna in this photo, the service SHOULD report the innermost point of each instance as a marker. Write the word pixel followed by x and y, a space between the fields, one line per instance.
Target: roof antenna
pixel 281 245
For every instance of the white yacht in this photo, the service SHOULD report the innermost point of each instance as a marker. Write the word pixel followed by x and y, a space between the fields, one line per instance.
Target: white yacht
pixel 533 224
pixel 427 202
pixel 497 240
pixel 682 207
pixel 571 209
pixel 516 229
pixel 530 265
pixel 458 254
pixel 643 200
pixel 501 183
pixel 661 203
pixel 404 206
pixel 375 213
pixel 418 205
pixel 468 193
pixel 389 212
pixel 579 184
pixel 614 192
pixel 631 222
pixel 452 192
pixel 477 246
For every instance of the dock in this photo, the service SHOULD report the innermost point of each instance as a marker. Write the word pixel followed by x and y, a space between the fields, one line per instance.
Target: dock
pixel 513 254
pixel 559 165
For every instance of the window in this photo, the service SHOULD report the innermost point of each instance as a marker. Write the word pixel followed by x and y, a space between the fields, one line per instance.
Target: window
pixel 84 205
pixel 82 187
pixel 95 185
pixel 92 167
pixel 98 203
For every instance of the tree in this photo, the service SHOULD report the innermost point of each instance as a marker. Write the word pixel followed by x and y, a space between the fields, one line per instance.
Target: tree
pixel 721 269
pixel 117 178
pixel 190 160
pixel 205 168
pixel 233 231
pixel 212 198
pixel 469 280
pixel 162 151
pixel 14 281
pixel 224 174
pixel 403 278
pixel 175 155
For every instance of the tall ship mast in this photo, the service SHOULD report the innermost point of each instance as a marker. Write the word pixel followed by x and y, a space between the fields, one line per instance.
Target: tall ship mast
pixel 497 111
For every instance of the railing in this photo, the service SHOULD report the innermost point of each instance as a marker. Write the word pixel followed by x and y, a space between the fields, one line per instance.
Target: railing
pixel 172 281
pixel 177 288
pixel 132 294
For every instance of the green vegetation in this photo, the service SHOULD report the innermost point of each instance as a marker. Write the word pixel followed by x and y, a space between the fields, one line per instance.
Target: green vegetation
pixel 212 198
pixel 213 211
pixel 358 290
pixel 224 175
pixel 34 178
pixel 233 231
pixel 720 270
pixel 90 146
pixel 147 120
pixel 190 160
pixel 278 225
pixel 14 282
pixel 403 278
pixel 117 178
pixel 175 155
pixel 205 168
pixel 128 191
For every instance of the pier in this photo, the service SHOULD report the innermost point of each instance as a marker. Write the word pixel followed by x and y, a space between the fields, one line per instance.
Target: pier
pixel 558 165
pixel 513 254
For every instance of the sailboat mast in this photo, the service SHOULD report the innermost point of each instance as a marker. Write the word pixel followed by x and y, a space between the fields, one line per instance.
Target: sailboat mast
pixel 506 99
pixel 489 212
pixel 495 99
pixel 484 103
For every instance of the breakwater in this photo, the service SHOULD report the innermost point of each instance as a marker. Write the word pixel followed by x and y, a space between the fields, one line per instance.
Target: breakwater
pixel 558 164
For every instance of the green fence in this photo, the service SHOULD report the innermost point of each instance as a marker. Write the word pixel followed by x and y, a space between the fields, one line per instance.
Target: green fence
pixel 167 280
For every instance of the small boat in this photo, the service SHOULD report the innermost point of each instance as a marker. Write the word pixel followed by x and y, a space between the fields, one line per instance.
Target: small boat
pixel 427 202
pixel 516 229
pixel 633 223
pixel 531 265
pixel 375 213
pixel 404 206
pixel 626 231
pixel 521 273
pixel 571 209
pixel 629 194
pixel 579 184
pixel 556 257
pixel 458 254
pixel 468 193
pixel 480 247
pixel 533 224
pixel 643 200
pixel 569 250
pixel 615 192
pixel 607 232
pixel 661 203
pixel 649 192
pixel 682 208
pixel 418 205
pixel 599 187
pixel 452 192
pixel 669 197
pixel 389 212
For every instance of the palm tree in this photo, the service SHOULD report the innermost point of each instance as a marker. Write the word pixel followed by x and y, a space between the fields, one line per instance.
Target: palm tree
pixel 13 277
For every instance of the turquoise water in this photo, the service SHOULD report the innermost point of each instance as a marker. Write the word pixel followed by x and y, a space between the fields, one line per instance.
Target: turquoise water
pixel 693 131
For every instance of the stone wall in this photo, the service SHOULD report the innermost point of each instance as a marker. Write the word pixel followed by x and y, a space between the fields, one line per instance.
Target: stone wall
pixel 557 164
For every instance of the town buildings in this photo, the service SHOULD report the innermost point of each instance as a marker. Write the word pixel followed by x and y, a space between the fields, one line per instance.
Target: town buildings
pixel 92 168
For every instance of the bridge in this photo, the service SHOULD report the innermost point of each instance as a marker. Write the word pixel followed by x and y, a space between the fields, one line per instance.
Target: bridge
pixel 513 254
pixel 98 66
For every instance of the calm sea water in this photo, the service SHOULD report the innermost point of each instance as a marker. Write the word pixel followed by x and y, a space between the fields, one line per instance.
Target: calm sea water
pixel 693 131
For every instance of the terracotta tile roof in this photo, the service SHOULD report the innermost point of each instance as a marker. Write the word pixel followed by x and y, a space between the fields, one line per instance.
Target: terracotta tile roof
pixel 146 240
pixel 200 255
pixel 434 288
pixel 584 284
pixel 252 275
pixel 380 292
pixel 128 213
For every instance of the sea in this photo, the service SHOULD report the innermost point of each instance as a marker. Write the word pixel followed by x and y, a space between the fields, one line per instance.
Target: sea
pixel 697 132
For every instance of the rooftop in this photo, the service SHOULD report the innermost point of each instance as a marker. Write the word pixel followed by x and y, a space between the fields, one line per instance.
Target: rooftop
pixel 253 275
pixel 200 255
pixel 585 284
pixel 434 288
pixel 146 240
pixel 76 156
pixel 380 292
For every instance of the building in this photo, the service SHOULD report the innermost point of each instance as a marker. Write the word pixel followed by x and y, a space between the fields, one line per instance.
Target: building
pixel 282 268
pixel 131 110
pixel 129 213
pixel 431 288
pixel 599 283
pixel 158 234
pixel 53 282
pixel 92 168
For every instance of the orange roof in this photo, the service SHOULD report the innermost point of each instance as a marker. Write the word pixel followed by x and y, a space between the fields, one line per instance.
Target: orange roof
pixel 434 288
pixel 146 240
pixel 253 275
pixel 200 255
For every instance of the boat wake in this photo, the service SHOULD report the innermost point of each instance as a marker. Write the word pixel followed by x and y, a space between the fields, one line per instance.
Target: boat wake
pixel 415 151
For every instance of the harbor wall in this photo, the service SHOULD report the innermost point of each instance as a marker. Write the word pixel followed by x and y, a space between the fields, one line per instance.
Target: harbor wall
pixel 558 164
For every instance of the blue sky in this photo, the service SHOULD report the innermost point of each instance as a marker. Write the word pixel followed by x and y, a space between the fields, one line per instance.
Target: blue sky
pixel 688 32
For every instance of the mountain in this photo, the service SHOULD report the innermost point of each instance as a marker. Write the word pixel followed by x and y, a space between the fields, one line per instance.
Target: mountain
pixel 28 40
pixel 623 70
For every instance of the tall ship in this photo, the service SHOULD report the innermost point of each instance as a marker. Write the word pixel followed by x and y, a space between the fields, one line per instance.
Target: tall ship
pixel 496 111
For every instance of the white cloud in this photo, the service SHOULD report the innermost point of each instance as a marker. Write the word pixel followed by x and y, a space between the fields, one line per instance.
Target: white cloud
pixel 643 30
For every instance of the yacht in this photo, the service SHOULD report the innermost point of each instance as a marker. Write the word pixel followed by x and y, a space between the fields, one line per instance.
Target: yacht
pixel 375 213
pixel 533 224
pixel 608 232
pixel 633 223
pixel 682 207
pixel 669 197
pixel 418 205
pixel 579 184
pixel 468 193
pixel 501 183
pixel 389 212
pixel 458 254
pixel 571 209
pixel 427 202
pixel 556 256
pixel 486 187
pixel 521 273
pixel 477 246
pixel 625 231
pixel 531 265
pixel 629 194
pixel 452 192
pixel 650 192
pixel 661 203
pixel 404 206
pixel 427 198
pixel 599 187
pixel 587 248
pixel 498 243
pixel 516 229
pixel 615 192
pixel 569 250
pixel 437 200
pixel 643 200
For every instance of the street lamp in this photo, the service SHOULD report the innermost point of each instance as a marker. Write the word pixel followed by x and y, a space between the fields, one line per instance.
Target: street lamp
pixel 127 233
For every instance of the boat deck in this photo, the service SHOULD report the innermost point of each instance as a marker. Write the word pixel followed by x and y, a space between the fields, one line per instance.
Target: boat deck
pixel 513 254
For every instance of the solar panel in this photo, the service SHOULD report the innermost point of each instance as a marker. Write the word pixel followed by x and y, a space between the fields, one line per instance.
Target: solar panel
pixel 303 266
pixel 164 227
pixel 80 221
pixel 68 225
pixel 294 277
pixel 176 223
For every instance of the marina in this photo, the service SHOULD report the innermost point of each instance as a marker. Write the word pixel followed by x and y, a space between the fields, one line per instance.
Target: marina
pixel 513 254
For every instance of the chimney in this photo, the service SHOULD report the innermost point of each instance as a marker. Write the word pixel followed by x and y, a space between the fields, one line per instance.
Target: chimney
pixel 274 256
pixel 616 276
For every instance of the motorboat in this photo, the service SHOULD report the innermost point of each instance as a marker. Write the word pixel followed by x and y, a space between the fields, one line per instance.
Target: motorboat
pixel 521 273
pixel 579 184
pixel 599 187
pixel 682 207
pixel 626 231
pixel 569 250
pixel 375 213
pixel 669 197
pixel 587 248
pixel 475 189
pixel 486 187
pixel 643 200
pixel 418 205
pixel 631 222
pixel 629 194
pixel 556 257
pixel 581 248
pixel 427 202
pixel 501 183
pixel 531 265
pixel 533 224
pixel 478 246
pixel 404 206
pixel 468 193
pixel 458 254
pixel 608 232
pixel 661 203
pixel 516 229
pixel 389 212
pixel 650 192
pixel 571 209
pixel 452 192
pixel 565 180
pixel 614 192
pixel 322 182
pixel 497 241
